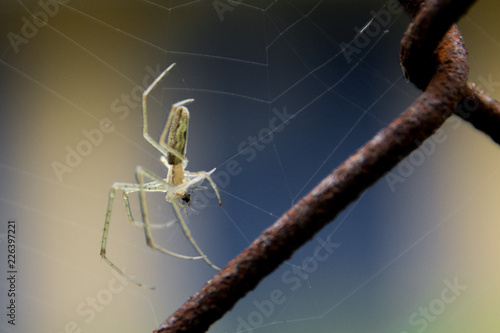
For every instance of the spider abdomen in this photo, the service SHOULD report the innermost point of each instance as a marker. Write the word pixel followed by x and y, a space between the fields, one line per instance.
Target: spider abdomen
pixel 177 137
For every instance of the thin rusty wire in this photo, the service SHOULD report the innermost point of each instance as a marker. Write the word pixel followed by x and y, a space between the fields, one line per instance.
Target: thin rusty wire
pixel 445 88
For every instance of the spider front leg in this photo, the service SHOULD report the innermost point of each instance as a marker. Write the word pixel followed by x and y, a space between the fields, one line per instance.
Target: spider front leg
pixel 204 175
pixel 161 146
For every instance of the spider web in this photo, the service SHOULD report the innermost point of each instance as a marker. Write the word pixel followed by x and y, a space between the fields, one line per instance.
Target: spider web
pixel 284 92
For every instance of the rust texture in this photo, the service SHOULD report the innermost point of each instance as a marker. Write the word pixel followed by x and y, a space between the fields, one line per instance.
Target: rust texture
pixel 445 87
pixel 482 111
pixel 418 56
pixel 477 108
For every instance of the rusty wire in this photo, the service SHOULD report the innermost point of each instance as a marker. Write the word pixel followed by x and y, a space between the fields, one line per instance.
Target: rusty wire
pixel 445 87
pixel 482 112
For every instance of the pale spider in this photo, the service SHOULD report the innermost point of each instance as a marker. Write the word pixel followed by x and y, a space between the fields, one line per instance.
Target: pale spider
pixel 176 186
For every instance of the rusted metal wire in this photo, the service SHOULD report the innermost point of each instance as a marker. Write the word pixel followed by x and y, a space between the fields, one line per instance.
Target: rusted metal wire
pixel 482 111
pixel 423 36
pixel 445 88
pixel 418 57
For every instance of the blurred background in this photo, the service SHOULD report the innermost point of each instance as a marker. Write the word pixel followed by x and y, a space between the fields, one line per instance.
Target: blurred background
pixel 284 92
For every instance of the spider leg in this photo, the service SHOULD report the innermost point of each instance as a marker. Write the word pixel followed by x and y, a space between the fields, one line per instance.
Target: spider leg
pixel 205 175
pixel 111 197
pixel 164 149
pixel 140 174
pixel 195 177
pixel 187 232
pixel 140 223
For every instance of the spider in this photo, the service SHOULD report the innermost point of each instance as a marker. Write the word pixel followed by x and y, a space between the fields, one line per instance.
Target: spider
pixel 178 185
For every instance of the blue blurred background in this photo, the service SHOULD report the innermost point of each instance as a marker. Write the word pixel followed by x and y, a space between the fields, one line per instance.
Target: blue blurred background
pixel 284 92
